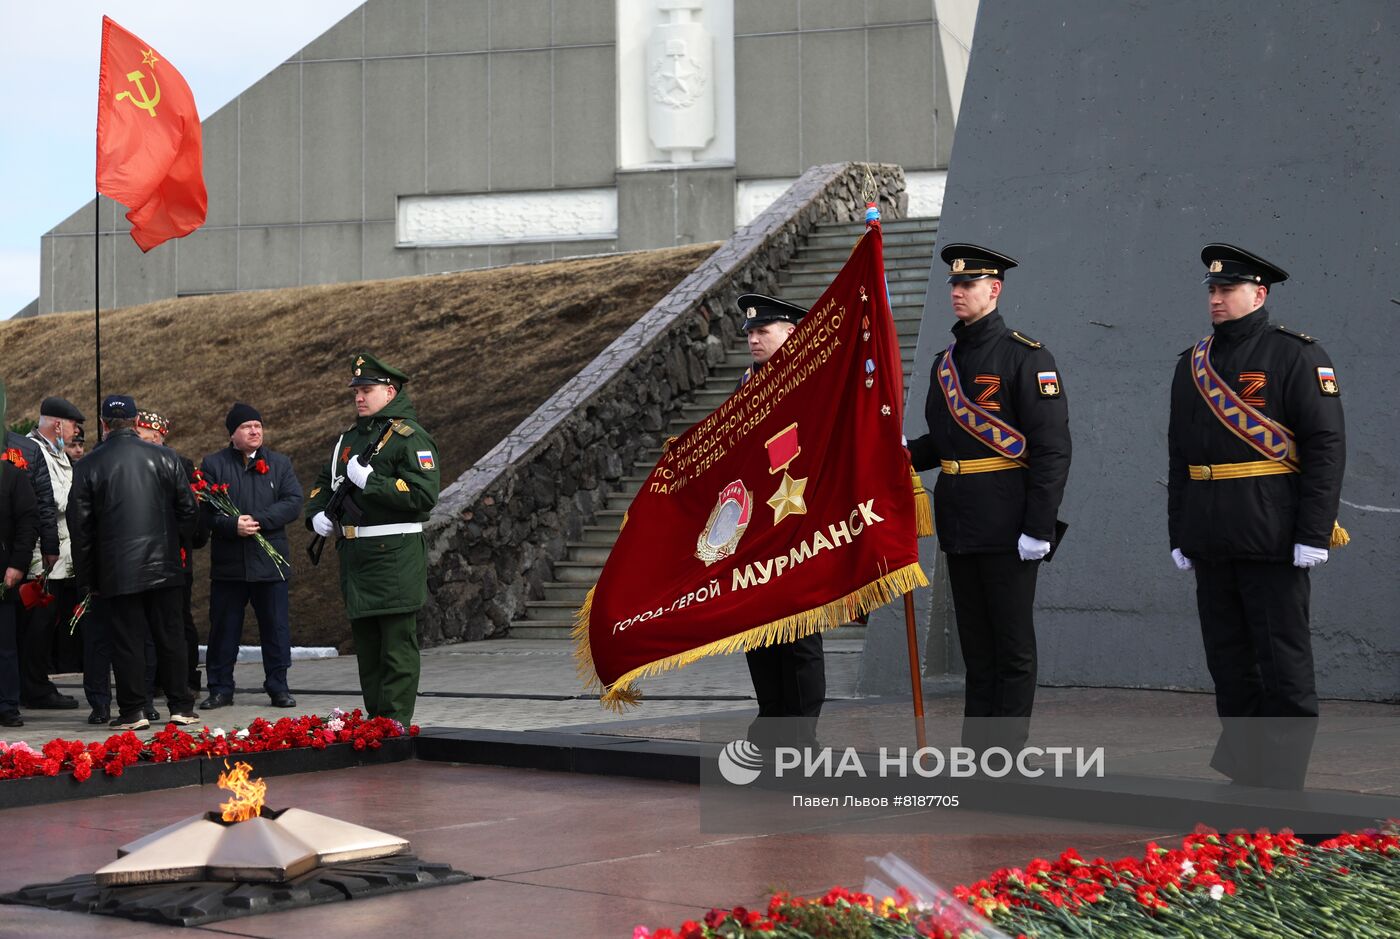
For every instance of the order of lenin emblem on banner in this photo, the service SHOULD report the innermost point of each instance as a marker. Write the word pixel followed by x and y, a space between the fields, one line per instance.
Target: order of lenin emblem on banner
pixel 726 525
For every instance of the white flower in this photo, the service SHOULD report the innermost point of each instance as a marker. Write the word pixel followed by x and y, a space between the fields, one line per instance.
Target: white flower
pixel 216 732
pixel 242 733
pixel 336 713
pixel 1217 891
pixel 335 725
pixel 1188 868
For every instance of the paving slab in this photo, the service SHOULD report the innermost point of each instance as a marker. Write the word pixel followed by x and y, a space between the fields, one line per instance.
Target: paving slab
pixel 562 854
pixel 505 684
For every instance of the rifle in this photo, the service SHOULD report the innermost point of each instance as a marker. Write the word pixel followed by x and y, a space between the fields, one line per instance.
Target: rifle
pixel 341 505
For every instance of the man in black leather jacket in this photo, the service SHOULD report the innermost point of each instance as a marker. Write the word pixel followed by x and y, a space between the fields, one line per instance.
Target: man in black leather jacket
pixel 129 507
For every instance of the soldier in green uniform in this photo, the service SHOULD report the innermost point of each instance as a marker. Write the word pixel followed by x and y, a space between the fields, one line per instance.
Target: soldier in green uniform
pixel 383 556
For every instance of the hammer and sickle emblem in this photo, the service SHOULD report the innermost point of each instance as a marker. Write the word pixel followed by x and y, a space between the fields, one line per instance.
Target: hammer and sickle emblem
pixel 146 102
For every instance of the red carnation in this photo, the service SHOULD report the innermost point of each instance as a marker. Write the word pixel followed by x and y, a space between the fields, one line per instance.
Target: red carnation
pixel 260 466
pixel 17 458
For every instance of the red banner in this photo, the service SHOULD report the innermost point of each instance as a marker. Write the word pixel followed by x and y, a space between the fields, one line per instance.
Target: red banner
pixel 787 511
pixel 149 152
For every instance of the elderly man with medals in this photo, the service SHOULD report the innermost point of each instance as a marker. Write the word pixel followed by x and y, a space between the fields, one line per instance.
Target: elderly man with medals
pixel 1257 450
pixel 999 431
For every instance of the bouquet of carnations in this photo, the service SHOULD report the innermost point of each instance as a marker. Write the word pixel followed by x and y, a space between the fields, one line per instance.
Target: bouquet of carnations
pixel 216 494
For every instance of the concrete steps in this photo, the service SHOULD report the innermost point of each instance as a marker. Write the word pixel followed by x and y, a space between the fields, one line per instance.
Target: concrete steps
pixel 908 255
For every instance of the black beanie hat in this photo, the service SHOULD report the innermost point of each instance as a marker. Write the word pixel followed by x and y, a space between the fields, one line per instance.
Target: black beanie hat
pixel 241 413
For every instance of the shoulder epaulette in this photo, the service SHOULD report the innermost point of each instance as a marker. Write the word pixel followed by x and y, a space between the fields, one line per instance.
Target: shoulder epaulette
pixel 1026 339
pixel 1295 334
pixel 403 428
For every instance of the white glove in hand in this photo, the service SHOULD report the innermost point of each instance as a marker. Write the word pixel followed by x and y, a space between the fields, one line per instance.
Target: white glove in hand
pixel 1183 563
pixel 1032 549
pixel 1305 556
pixel 357 472
pixel 322 525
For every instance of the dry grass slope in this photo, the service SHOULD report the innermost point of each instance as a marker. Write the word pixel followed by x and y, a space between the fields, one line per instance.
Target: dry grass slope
pixel 484 349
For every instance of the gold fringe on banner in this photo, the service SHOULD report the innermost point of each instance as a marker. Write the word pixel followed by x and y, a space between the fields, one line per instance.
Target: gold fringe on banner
pixel 923 509
pixel 623 694
pixel 1340 537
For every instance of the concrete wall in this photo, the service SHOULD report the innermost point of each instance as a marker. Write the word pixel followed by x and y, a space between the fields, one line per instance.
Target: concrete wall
pixel 831 80
pixel 1133 135
pixel 414 97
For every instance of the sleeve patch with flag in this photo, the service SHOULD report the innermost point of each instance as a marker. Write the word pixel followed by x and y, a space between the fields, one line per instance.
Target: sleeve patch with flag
pixel 1049 384
pixel 425 459
pixel 1327 381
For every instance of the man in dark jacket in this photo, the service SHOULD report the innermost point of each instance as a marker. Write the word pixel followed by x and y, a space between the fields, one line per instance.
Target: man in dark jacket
pixel 999 431
pixel 38 470
pixel 264 488
pixel 1257 449
pixel 128 508
pixel 19 529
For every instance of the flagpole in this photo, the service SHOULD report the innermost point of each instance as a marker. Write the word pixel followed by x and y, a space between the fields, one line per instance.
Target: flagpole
pixel 914 682
pixel 872 220
pixel 97 298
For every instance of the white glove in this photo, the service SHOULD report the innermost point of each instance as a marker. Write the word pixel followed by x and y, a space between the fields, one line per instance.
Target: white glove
pixel 1305 556
pixel 322 525
pixel 357 472
pixel 1032 549
pixel 1183 563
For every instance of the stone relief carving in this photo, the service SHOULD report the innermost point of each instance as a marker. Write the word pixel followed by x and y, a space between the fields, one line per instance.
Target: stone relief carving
pixel 495 218
pixel 679 68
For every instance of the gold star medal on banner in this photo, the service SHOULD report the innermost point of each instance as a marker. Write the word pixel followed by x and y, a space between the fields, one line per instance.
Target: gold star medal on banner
pixel 789 499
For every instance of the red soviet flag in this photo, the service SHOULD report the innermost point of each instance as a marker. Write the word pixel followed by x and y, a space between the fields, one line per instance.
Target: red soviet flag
pixel 149 155
pixel 787 511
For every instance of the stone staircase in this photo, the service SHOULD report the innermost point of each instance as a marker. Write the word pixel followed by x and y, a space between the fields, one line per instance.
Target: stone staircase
pixel 908 255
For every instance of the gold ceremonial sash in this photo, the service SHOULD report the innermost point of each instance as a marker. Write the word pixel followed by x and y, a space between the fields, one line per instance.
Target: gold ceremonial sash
pixel 1000 436
pixel 1270 438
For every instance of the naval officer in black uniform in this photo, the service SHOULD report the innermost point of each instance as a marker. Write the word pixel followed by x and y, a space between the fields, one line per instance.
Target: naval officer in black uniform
pixel 789 678
pixel 995 505
pixel 1252 521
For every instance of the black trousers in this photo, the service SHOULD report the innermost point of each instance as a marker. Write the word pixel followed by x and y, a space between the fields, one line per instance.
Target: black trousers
pixel 133 617
pixel 37 629
pixel 789 680
pixel 191 637
pixel 95 632
pixel 994 601
pixel 228 599
pixel 9 657
pixel 1258 645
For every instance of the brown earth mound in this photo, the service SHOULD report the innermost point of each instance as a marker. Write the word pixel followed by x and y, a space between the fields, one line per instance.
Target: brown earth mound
pixel 483 348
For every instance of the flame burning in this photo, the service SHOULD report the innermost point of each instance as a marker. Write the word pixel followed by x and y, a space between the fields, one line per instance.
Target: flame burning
pixel 248 794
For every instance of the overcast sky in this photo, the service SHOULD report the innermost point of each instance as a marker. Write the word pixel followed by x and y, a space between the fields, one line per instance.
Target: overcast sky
pixel 49 53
